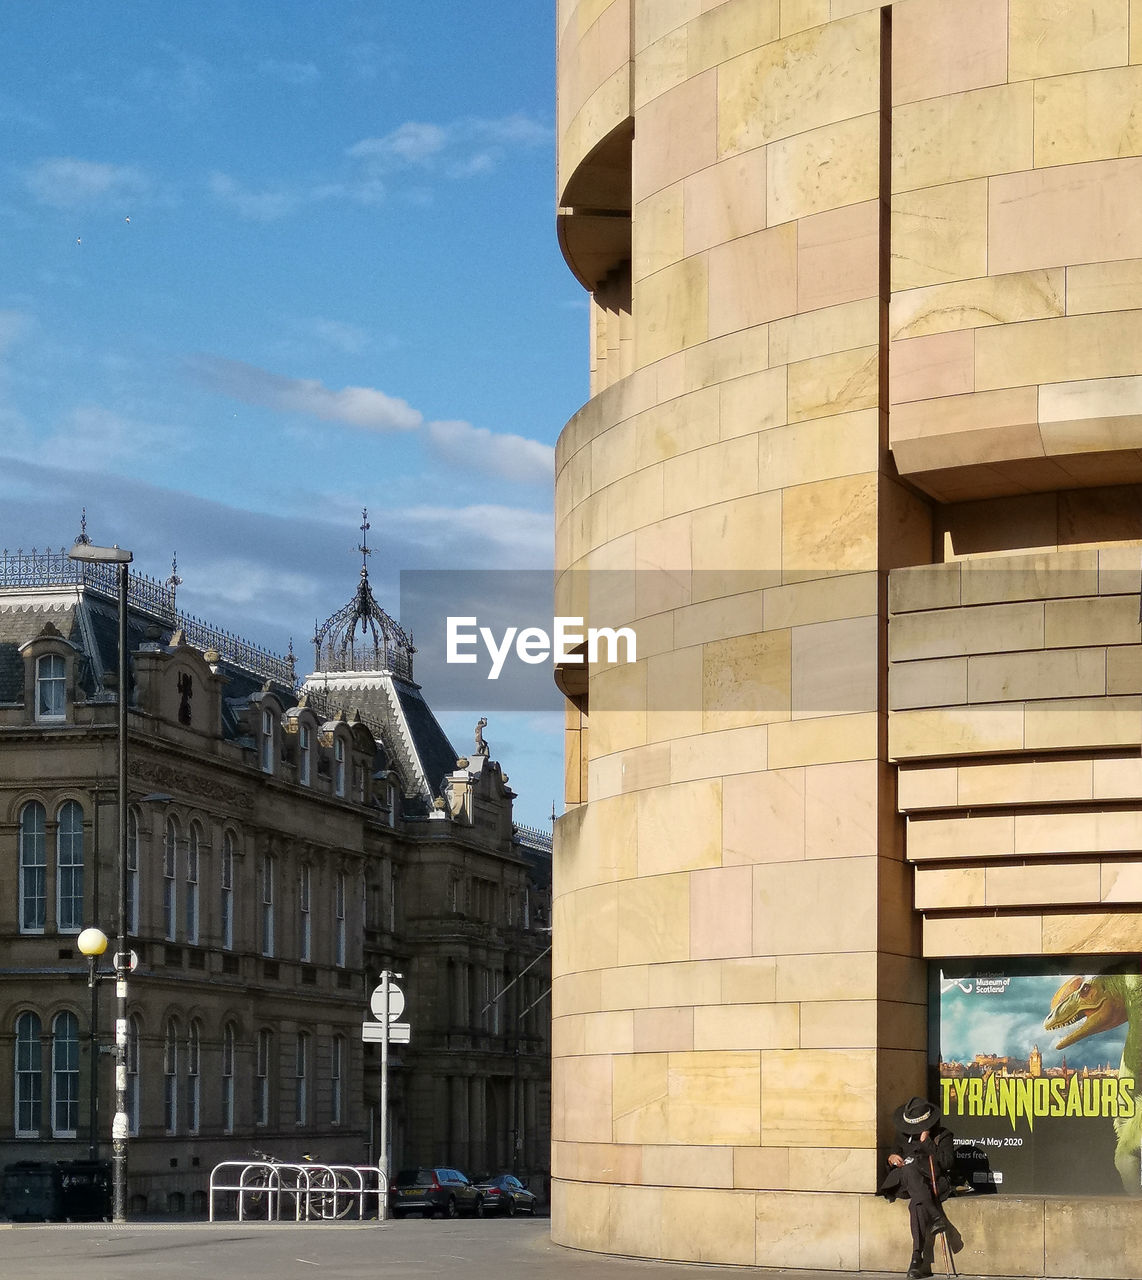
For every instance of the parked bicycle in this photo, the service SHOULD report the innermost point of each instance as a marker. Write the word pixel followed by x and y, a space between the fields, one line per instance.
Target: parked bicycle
pixel 305 1190
pixel 310 1189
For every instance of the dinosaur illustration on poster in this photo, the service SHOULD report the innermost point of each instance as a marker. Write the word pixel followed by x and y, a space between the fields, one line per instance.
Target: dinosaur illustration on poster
pixel 1092 1005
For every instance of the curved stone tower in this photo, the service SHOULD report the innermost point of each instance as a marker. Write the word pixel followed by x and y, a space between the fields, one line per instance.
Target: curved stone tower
pixel 866 342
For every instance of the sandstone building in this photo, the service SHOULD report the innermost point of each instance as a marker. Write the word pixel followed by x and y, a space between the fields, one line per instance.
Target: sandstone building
pixel 282 849
pixel 861 465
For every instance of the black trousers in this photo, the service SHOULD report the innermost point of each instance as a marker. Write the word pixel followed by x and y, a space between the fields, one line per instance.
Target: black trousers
pixel 914 1181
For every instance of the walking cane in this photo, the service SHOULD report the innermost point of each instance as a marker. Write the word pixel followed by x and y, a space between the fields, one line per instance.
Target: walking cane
pixel 949 1264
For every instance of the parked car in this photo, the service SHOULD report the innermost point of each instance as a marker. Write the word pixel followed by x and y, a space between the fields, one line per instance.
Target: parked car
pixel 442 1191
pixel 506 1194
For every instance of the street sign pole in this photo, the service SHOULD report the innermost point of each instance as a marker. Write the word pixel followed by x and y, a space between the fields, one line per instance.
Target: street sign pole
pixel 383 1162
pixel 386 1005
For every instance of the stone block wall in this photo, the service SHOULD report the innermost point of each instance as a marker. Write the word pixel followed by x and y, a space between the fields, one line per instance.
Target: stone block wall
pixel 1016 237
pixel 849 339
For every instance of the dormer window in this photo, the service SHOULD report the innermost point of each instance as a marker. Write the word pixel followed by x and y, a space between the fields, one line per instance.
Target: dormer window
pixel 339 767
pixel 51 687
pixel 267 741
pixel 304 755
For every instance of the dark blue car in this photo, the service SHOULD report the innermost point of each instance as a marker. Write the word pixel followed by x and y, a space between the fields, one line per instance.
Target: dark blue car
pixel 506 1194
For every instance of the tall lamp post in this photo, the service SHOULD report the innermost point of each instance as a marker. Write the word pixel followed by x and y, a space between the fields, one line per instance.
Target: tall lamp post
pixel 92 943
pixel 88 553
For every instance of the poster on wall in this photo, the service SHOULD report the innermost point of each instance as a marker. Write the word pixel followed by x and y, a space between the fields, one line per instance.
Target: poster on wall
pixel 1040 1077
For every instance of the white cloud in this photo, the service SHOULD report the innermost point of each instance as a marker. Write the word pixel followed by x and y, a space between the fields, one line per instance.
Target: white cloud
pixel 91 437
pixel 521 538
pixel 502 454
pixel 458 444
pixel 237 582
pixel 256 206
pixel 334 333
pixel 183 84
pixel 269 204
pixel 65 182
pixel 517 131
pixel 13 325
pixel 366 61
pixel 465 148
pixel 410 143
pixel 88 438
pixel 265 576
pixel 295 73
pixel 361 407
pixel 460 149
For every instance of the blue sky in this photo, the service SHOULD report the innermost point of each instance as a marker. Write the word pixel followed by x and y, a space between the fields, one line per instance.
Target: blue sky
pixel 268 263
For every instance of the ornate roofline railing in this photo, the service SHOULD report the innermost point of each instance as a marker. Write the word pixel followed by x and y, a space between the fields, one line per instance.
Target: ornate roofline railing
pixel 238 652
pixel 145 595
pixel 532 837
pixel 50 568
pixel 365 657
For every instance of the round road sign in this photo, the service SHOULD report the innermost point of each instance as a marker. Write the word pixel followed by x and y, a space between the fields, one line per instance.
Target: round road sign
pixel 396 1002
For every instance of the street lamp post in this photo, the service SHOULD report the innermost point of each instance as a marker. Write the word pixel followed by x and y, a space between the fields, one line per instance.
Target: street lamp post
pixel 88 553
pixel 92 943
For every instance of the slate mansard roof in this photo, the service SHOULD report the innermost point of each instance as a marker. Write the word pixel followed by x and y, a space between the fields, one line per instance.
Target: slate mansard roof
pixel 81 603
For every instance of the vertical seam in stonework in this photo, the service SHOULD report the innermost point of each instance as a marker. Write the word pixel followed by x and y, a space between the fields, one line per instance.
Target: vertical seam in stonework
pixel 884 281
pixel 885 246
pixel 631 57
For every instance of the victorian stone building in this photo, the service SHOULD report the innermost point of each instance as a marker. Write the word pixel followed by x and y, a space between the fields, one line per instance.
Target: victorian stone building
pixel 283 846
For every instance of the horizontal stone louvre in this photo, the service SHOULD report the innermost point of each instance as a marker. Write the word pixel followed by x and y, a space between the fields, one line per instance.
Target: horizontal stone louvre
pixel 1033 664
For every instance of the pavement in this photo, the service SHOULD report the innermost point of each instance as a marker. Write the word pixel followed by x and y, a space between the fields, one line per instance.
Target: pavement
pixel 412 1249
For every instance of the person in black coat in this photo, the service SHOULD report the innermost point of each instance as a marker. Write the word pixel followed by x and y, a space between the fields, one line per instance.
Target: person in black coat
pixel 924 1153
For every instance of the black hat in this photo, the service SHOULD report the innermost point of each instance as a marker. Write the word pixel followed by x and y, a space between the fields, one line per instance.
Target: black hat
pixel 916 1115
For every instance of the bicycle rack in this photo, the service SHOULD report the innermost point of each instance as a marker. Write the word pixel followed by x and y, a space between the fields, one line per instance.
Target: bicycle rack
pixel 314 1192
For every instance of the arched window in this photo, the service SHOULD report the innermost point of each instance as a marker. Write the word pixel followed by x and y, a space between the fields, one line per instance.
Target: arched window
pixel 268 905
pixel 229 1037
pixel 304 918
pixel 65 1075
pixel 170 1076
pixel 69 868
pixel 132 871
pixel 51 687
pixel 134 1034
pixel 262 1078
pixel 304 755
pixel 193 846
pixel 170 886
pixel 336 1059
pixel 301 1080
pixel 193 1062
pixel 339 919
pixel 33 868
pixel 29 1076
pixel 226 912
pixel 338 766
